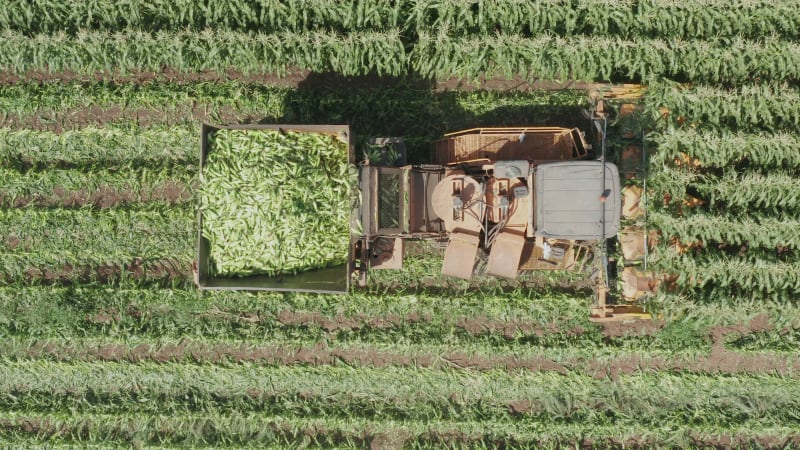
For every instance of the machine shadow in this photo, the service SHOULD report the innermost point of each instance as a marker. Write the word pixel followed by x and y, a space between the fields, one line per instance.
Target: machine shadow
pixel 410 107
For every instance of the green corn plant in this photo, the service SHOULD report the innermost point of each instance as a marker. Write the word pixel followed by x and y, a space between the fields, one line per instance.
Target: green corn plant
pixel 95 148
pixel 749 107
pixel 694 19
pixel 133 50
pixel 715 276
pixel 54 238
pixel 240 15
pixel 101 188
pixel 598 58
pixel 777 193
pixel 753 231
pixel 275 202
pixel 720 148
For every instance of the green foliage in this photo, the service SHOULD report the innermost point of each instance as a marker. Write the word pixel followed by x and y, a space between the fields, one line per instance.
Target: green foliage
pixel 436 55
pixel 695 19
pixel 91 51
pixel 746 108
pixel 275 202
pixel 777 193
pixel 94 147
pixel 604 58
pixel 722 148
pixel 262 15
pixel 753 231
pixel 53 239
pixel 70 187
pixel 725 276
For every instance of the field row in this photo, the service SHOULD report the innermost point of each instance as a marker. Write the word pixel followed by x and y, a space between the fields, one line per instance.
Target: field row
pixel 689 19
pixel 100 188
pixel 757 194
pixel 502 320
pixel 710 149
pixel 437 56
pixel 533 399
pixel 598 363
pixel 63 241
pixel 259 431
pixel 746 108
pixel 93 148
pixel 398 393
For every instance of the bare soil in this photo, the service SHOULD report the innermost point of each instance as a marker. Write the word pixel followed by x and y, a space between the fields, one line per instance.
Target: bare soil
pixel 170 192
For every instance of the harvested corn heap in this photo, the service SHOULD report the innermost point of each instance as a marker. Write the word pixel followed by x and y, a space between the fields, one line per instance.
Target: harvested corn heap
pixel 275 202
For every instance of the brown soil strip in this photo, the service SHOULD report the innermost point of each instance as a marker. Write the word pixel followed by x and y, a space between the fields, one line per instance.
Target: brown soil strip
pixel 170 192
pixel 166 270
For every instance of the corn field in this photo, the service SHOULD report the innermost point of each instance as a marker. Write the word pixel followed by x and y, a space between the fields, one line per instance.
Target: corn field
pixel 106 340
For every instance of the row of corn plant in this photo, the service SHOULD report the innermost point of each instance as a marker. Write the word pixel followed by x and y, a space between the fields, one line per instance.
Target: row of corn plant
pixel 733 191
pixel 435 55
pixel 625 18
pixel 270 353
pixel 605 58
pixel 245 98
pixel 59 311
pixel 690 19
pixel 394 325
pixel 93 148
pixel 777 193
pixel 398 394
pixel 33 429
pixel 55 238
pixel 747 107
pixel 132 50
pixel 473 323
pixel 99 188
pixel 262 15
pixel 754 231
pixel 275 202
pixel 720 148
pixel 714 275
